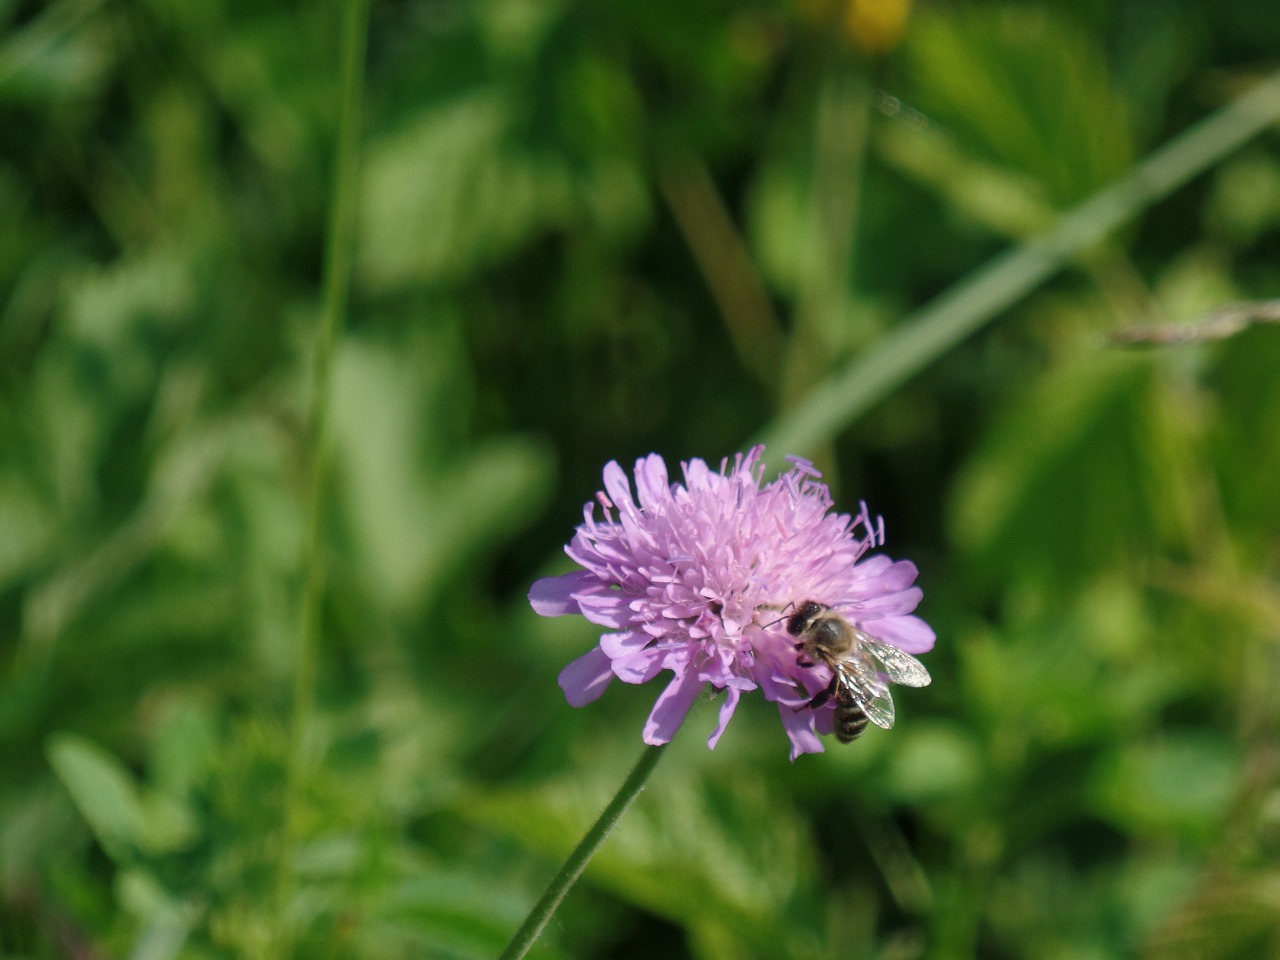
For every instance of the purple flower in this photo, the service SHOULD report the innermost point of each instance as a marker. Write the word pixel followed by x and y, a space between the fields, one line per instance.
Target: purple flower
pixel 699 577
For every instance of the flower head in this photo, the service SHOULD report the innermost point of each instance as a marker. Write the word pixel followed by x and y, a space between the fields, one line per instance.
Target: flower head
pixel 699 578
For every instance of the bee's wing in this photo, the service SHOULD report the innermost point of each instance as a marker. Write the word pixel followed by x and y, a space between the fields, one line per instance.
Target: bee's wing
pixel 862 682
pixel 861 676
pixel 901 667
pixel 880 710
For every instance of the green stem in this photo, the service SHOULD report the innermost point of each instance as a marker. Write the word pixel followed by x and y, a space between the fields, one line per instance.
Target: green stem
pixel 961 310
pixel 542 911
pixel 337 280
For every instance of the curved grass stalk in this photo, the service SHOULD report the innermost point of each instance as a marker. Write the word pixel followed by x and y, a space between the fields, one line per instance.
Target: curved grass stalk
pixel 965 307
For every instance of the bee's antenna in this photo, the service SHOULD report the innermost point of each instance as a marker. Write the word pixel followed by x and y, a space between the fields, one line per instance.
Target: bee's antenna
pixel 783 610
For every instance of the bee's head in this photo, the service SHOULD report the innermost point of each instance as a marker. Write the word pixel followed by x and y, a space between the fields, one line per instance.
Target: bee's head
pixel 803 617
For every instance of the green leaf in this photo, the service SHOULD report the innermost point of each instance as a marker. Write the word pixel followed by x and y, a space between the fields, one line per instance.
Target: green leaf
pixel 933 760
pixel 415 518
pixel 443 911
pixel 103 790
pixel 1062 482
pixel 431 207
pixel 1182 782
pixel 166 921
pixel 47 62
pixel 183 749
pixel 123 816
pixel 1026 87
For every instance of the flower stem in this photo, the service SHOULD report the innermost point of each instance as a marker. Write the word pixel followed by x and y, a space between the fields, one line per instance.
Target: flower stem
pixel 542 911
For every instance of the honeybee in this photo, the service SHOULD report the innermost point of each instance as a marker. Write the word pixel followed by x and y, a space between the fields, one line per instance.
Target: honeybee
pixel 855 658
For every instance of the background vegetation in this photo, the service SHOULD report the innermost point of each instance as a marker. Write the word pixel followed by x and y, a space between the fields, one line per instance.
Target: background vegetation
pixel 589 229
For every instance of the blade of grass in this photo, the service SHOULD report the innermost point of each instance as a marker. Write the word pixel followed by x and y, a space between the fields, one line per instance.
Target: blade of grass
pixel 337 278
pixel 961 310
pixel 726 264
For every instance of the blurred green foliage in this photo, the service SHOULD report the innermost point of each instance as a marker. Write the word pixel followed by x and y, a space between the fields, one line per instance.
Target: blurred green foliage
pixel 589 230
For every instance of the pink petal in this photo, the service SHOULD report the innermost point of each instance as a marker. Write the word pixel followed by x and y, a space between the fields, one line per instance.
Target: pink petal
pixel 904 601
pixel 871 567
pixel 611 609
pixel 624 644
pixel 651 483
pixel 894 578
pixel 586 678
pixel 696 474
pixel 824 720
pixel 732 694
pixel 910 634
pixel 618 487
pixel 639 667
pixel 799 727
pixel 553 596
pixel 672 706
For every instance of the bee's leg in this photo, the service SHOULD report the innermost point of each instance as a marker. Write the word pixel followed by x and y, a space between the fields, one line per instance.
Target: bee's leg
pixel 817 702
pixel 820 697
